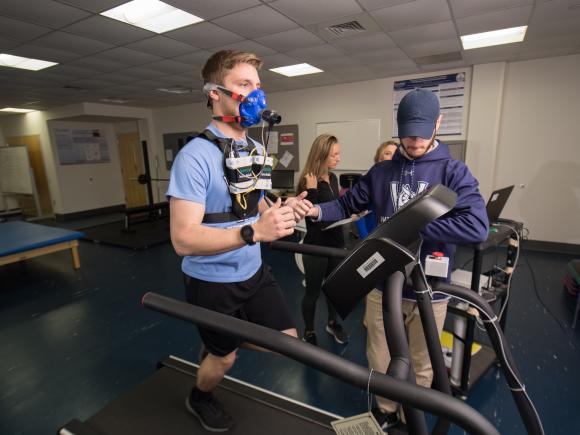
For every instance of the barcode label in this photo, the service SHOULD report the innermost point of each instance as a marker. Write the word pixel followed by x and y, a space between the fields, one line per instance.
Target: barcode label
pixel 370 265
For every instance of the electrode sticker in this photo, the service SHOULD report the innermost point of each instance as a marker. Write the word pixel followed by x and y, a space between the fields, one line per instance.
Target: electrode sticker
pixel 370 265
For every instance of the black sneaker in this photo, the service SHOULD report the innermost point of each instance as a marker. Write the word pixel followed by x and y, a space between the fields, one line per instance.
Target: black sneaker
pixel 336 330
pixel 310 338
pixel 386 420
pixel 211 413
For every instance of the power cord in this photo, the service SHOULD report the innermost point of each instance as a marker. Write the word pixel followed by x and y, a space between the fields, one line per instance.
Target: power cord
pixel 546 308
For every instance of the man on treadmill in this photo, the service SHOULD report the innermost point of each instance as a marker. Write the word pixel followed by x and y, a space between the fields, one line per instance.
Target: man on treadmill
pixel 421 161
pixel 218 217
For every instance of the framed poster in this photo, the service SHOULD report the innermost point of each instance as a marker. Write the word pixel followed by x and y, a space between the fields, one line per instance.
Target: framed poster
pixel 449 88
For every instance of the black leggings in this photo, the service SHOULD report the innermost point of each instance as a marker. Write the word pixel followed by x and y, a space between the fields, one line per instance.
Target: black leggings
pixel 315 270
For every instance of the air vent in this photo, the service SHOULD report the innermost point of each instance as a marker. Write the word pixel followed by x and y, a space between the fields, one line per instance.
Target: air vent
pixel 439 58
pixel 346 29
pixel 177 90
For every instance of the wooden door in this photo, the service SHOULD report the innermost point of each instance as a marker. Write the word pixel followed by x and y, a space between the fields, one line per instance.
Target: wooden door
pixel 27 205
pixel 131 167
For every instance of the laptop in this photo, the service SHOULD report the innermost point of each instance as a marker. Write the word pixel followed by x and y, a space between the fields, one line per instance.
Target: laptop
pixel 496 203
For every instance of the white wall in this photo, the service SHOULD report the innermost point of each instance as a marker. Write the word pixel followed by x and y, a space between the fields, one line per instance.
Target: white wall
pixel 89 186
pixel 539 146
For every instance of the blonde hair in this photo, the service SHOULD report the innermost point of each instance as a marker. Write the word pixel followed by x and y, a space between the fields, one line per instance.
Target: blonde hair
pixel 382 147
pixel 319 152
pixel 218 65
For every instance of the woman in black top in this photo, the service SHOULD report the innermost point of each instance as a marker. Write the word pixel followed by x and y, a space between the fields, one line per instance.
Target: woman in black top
pixel 322 186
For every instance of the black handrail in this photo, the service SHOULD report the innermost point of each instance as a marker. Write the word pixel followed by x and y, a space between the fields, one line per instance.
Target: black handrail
pixel 418 397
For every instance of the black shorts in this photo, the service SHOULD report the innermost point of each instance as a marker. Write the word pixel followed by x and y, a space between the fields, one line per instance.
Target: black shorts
pixel 258 300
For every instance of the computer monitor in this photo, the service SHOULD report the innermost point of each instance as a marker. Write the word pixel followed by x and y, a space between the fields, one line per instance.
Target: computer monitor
pixel 283 179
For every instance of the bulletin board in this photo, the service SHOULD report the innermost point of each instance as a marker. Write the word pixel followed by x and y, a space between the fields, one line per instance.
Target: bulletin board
pixel 358 141
pixel 76 146
pixel 283 145
pixel 15 171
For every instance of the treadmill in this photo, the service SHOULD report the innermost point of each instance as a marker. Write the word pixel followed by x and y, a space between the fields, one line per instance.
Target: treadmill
pixel 157 405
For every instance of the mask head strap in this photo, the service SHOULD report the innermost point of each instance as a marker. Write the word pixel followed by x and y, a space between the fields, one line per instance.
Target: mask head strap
pixel 213 87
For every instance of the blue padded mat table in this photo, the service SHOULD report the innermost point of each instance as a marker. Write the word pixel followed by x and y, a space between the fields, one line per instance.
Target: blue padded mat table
pixel 22 240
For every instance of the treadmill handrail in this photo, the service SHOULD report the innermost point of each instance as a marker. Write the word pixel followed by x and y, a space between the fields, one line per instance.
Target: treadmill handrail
pixel 308 249
pixel 338 367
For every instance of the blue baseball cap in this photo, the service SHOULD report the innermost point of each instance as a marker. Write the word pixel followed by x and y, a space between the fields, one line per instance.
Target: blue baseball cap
pixel 417 114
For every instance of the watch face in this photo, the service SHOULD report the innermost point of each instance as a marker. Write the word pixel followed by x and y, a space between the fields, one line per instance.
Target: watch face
pixel 248 234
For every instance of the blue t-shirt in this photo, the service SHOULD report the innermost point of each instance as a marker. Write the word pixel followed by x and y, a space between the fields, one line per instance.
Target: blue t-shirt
pixel 197 175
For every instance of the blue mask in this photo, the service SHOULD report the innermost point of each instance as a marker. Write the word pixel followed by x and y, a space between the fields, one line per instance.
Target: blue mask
pixel 251 105
pixel 251 108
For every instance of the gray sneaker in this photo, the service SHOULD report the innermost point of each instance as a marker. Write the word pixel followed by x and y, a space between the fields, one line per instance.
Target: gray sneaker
pixel 336 330
pixel 211 413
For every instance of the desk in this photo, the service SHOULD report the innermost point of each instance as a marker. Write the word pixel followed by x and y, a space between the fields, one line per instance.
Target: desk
pixel 473 368
pixel 20 241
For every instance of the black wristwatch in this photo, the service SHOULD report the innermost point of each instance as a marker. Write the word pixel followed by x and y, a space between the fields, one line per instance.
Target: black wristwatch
pixel 247 233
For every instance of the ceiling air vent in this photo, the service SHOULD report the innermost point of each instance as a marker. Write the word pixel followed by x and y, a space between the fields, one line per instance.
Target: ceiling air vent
pixel 346 29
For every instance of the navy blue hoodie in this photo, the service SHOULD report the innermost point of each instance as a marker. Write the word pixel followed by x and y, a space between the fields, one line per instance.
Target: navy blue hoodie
pixel 388 185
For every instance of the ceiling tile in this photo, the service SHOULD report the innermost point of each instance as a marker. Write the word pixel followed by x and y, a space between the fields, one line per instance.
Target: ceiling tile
pixel 311 12
pixel 46 12
pixel 214 8
pixel 169 66
pixel 364 43
pixel 433 47
pixel 248 46
pixel 466 8
pixel 277 60
pixel 498 53
pixel 554 28
pixel 443 66
pixel 162 46
pixel 108 30
pixel 94 6
pixel 555 11
pixel 312 54
pixel 371 5
pixel 20 30
pixel 204 35
pixel 290 40
pixel 385 55
pixel 256 22
pixel 494 20
pixel 71 71
pixel 141 72
pixel 99 65
pixel 7 44
pixel 422 34
pixel 126 56
pixel 43 53
pixel 413 14
pixel 116 78
pixel 197 58
pixel 67 41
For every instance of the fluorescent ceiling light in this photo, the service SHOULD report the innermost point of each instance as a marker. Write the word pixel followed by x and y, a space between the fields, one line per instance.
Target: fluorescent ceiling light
pixel 152 15
pixel 296 70
pixel 24 62
pixel 15 110
pixel 495 37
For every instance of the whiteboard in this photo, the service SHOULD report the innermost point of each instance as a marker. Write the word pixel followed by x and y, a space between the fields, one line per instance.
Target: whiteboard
pixel 358 141
pixel 15 171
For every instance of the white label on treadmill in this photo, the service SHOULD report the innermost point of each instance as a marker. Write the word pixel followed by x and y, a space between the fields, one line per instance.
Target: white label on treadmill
pixel 370 265
pixel 363 424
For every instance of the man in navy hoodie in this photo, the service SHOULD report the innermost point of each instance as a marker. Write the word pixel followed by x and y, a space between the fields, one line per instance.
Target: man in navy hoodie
pixel 420 162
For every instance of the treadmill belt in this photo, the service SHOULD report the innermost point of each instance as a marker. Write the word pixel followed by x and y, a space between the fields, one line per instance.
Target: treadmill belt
pixel 157 406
